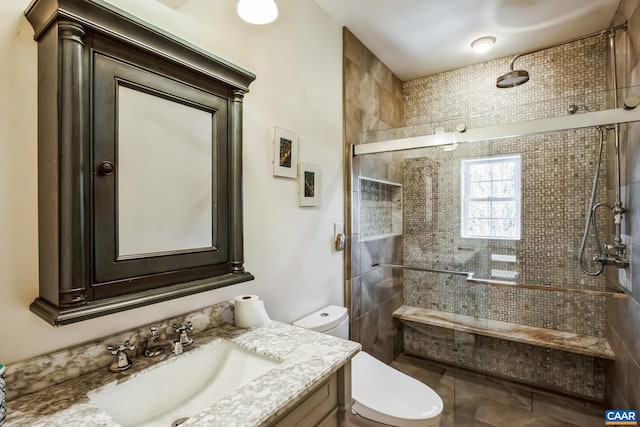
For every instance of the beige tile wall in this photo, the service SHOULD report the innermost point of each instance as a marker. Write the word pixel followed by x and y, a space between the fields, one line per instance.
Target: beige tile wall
pixel 372 101
pixel 623 316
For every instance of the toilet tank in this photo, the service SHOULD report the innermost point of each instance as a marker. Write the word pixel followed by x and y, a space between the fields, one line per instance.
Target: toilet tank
pixel 332 320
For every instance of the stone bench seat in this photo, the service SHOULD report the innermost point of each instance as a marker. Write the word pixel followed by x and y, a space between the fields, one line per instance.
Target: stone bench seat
pixel 542 337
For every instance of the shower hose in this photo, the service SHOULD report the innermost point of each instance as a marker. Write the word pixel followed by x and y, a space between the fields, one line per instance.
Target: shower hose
pixel 591 215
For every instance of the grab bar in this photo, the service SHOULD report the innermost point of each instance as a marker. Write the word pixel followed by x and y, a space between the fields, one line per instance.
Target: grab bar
pixel 501 283
pixel 548 288
pixel 428 270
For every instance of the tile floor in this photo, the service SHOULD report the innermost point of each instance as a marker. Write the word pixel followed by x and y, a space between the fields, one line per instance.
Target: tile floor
pixel 474 400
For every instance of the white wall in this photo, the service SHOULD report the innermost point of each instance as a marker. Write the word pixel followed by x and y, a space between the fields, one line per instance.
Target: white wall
pixel 298 63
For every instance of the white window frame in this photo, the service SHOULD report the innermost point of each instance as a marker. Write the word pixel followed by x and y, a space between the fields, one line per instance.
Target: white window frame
pixel 465 191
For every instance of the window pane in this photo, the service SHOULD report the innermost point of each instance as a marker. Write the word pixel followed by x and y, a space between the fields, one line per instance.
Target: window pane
pixel 479 172
pixel 503 209
pixel 503 170
pixel 479 210
pixel 480 190
pixel 491 197
pixel 503 227
pixel 479 227
pixel 503 189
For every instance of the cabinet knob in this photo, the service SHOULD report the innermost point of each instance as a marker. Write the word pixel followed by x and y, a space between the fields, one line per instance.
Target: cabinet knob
pixel 106 168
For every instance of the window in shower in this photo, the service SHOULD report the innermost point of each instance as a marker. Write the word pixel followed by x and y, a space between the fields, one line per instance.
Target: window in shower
pixel 491 198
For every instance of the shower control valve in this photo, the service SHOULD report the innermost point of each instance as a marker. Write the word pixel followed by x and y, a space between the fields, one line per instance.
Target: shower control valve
pixel 617 247
pixel 620 248
pixel 619 260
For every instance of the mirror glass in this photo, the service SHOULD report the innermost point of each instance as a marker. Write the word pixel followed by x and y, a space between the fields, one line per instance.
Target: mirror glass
pixel 164 175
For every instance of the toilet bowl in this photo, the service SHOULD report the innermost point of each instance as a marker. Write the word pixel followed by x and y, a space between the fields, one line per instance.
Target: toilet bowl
pixel 382 395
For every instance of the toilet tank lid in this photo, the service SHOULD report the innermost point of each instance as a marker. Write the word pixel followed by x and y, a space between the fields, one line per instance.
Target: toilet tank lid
pixel 324 319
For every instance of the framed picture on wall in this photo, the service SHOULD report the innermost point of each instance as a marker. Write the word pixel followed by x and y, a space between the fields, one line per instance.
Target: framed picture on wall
pixel 309 183
pixel 285 153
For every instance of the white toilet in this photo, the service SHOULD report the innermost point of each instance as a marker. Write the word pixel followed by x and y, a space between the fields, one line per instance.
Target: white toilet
pixel 381 394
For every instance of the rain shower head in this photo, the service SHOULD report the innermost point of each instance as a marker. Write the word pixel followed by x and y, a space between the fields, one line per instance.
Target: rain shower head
pixel 517 77
pixel 512 79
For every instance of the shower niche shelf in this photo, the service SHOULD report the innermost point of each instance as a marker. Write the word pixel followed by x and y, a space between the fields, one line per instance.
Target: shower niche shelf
pixel 542 337
pixel 379 208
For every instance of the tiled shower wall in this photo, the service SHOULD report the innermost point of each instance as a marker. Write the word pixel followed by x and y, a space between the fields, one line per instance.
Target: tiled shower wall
pixel 380 208
pixel 557 169
pixel 372 101
pixel 623 316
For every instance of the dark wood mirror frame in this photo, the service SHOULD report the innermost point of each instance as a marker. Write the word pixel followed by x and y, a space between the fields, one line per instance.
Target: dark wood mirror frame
pixel 76 237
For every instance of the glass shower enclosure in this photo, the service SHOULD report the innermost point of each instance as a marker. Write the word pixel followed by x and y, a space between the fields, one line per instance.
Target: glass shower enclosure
pixel 465 255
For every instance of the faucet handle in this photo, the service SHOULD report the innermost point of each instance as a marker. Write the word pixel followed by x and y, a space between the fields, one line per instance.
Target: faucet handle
pixel 182 330
pixel 178 329
pixel 122 362
pixel 122 347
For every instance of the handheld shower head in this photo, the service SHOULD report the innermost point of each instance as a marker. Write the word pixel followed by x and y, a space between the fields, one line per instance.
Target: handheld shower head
pixel 512 79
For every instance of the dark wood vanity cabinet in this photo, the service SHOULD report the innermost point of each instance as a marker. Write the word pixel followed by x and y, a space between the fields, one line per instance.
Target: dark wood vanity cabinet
pixel 139 163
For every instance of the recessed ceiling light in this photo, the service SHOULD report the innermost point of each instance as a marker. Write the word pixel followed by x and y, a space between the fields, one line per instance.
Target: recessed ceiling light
pixel 483 44
pixel 174 4
pixel 258 11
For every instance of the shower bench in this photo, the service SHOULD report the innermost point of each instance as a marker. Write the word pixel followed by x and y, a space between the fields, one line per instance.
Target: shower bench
pixel 542 337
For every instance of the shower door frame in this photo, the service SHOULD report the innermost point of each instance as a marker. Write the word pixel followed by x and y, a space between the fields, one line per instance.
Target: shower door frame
pixel 509 130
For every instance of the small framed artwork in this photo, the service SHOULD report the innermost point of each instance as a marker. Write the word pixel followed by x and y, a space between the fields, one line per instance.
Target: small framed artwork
pixel 285 153
pixel 309 181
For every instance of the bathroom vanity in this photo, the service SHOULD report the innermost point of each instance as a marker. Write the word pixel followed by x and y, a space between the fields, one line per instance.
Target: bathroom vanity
pixel 308 385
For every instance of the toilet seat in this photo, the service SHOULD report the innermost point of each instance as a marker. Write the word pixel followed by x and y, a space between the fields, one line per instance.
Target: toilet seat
pixel 388 396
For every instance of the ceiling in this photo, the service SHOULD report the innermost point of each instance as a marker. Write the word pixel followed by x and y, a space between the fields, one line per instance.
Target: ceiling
pixel 415 38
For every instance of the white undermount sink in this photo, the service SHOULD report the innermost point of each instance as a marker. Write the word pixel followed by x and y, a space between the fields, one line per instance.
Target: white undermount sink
pixel 183 386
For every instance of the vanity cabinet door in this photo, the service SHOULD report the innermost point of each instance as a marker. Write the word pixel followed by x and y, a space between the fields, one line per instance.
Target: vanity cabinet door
pixel 160 178
pixel 319 408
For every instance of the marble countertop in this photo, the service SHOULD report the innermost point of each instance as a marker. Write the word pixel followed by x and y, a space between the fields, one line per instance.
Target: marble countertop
pixel 308 358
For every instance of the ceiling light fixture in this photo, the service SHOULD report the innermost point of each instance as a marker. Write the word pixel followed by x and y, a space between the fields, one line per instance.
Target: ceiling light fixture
pixel 258 12
pixel 483 44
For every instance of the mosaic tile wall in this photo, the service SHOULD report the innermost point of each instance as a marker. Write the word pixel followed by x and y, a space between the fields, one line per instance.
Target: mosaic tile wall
pixel 571 74
pixel 557 170
pixel 373 100
pixel 623 316
pixel 543 367
pixel 556 185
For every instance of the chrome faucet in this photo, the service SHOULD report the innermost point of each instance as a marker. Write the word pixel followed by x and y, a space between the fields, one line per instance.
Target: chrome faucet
pixel 155 346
